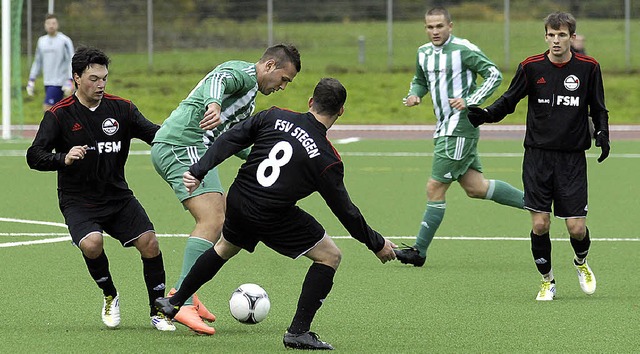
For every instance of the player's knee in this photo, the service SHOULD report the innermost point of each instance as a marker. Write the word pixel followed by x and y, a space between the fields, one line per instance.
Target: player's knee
pixel 540 227
pixel 148 245
pixel 577 232
pixel 334 258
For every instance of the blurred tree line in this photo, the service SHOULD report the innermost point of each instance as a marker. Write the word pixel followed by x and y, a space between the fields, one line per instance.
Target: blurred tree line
pixel 122 24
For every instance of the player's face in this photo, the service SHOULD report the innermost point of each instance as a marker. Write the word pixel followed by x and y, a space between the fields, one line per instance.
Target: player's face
pixel 51 26
pixel 91 84
pixel 274 78
pixel 559 42
pixel 438 29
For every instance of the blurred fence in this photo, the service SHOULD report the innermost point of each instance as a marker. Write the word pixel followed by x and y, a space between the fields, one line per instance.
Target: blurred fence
pixel 388 30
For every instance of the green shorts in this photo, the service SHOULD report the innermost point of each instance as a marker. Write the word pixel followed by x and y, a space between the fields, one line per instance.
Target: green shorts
pixel 453 156
pixel 171 162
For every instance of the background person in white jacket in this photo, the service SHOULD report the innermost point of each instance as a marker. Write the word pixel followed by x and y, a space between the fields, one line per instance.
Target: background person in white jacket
pixel 53 57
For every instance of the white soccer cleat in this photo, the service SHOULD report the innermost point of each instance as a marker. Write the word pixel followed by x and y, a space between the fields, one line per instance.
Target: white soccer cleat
pixel 111 311
pixel 586 278
pixel 162 323
pixel 547 291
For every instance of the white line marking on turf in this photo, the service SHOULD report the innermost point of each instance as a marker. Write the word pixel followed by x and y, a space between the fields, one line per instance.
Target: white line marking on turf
pixel 347 140
pixel 33 222
pixel 25 243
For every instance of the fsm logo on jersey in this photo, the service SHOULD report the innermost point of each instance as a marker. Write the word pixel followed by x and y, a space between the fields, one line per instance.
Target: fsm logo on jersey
pixel 571 83
pixel 110 126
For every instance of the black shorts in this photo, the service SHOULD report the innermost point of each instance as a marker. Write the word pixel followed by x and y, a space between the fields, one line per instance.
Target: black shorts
pixel 291 231
pixel 125 220
pixel 555 177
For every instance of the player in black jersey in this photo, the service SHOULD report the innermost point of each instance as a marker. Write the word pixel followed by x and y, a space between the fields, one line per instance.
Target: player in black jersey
pixel 86 139
pixel 291 158
pixel 564 88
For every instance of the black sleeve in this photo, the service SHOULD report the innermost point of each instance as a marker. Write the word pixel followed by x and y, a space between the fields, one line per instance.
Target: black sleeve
pixel 142 128
pixel 597 108
pixel 239 137
pixel 506 104
pixel 331 188
pixel 40 155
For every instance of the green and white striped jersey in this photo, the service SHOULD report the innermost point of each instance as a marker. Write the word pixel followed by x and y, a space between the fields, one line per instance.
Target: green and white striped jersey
pixel 233 85
pixel 450 71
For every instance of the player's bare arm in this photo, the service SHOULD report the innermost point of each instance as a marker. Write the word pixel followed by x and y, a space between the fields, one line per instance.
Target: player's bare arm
pixel 211 117
pixel 411 101
pixel 190 182
pixel 76 153
pixel 386 254
pixel 458 103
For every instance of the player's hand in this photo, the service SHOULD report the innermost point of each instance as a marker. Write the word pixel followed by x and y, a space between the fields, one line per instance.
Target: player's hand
pixel 190 182
pixel 458 103
pixel 477 116
pixel 76 153
pixel 602 141
pixel 211 117
pixel 386 254
pixel 67 88
pixel 30 86
pixel 411 101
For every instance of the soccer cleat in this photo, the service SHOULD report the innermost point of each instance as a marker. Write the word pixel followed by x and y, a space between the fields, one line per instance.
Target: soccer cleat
pixel 200 308
pixel 586 277
pixel 202 311
pixel 410 255
pixel 111 311
pixel 547 291
pixel 162 323
pixel 305 341
pixel 163 305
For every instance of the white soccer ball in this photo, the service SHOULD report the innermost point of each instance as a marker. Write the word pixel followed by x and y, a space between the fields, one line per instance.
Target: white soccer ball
pixel 249 304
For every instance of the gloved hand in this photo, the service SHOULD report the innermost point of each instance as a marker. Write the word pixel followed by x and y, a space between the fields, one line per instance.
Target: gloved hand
pixel 602 141
pixel 67 88
pixel 30 86
pixel 477 116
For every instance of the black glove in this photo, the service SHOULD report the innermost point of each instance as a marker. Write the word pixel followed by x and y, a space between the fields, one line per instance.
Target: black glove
pixel 602 140
pixel 477 116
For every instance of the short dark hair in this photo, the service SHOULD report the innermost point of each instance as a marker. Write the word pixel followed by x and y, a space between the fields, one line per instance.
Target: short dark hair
pixel 439 10
pixel 50 16
pixel 282 54
pixel 555 20
pixel 329 96
pixel 85 56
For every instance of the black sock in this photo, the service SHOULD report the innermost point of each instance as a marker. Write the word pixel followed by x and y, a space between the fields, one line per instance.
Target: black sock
pixel 581 248
pixel 99 270
pixel 541 250
pixel 315 288
pixel 154 278
pixel 205 268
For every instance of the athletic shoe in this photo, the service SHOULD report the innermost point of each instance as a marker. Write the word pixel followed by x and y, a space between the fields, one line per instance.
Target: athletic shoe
pixel 111 311
pixel 305 341
pixel 163 306
pixel 202 311
pixel 586 277
pixel 410 255
pixel 186 315
pixel 547 291
pixel 200 308
pixel 162 323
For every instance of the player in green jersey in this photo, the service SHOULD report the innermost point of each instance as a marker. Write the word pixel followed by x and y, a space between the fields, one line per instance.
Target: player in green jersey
pixel 447 67
pixel 224 97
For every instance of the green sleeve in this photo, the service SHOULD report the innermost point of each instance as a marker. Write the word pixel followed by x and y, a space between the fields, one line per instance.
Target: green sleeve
pixel 478 62
pixel 222 83
pixel 419 85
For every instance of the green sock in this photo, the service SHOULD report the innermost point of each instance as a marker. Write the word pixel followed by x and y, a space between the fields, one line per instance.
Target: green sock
pixel 505 194
pixel 192 251
pixel 430 223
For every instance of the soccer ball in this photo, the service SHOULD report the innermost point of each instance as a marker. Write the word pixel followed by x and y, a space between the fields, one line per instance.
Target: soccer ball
pixel 249 304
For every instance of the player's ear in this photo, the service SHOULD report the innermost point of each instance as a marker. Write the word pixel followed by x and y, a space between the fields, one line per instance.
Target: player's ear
pixel 341 111
pixel 310 103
